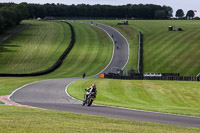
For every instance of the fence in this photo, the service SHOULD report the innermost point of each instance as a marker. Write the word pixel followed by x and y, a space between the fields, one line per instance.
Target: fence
pixel 140 54
pixel 138 76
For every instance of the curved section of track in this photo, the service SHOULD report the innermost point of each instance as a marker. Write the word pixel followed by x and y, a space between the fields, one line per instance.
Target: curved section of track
pixel 50 94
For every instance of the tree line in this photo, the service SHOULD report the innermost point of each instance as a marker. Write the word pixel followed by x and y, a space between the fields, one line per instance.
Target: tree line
pixel 12 14
pixel 181 15
pixel 148 11
pixel 141 11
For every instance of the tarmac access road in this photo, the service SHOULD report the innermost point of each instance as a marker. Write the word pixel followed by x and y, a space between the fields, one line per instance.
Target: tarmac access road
pixel 51 94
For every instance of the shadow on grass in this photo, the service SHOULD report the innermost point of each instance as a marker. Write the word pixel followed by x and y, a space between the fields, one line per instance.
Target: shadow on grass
pixel 5 48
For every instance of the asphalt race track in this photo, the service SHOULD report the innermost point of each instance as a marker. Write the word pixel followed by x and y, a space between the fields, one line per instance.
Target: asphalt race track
pixel 50 94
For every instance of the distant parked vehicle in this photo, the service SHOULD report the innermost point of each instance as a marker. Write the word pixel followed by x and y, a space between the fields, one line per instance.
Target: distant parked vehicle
pixel 39 19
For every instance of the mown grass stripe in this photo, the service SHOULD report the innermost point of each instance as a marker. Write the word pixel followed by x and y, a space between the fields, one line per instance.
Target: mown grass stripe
pixel 168 55
pixel 181 46
pixel 33 46
pixel 79 54
pixel 87 52
pixel 161 47
pixel 45 121
pixel 159 96
pixel 159 43
pixel 90 54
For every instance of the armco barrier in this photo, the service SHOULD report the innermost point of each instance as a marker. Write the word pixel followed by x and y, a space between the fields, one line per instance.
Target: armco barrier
pixel 54 66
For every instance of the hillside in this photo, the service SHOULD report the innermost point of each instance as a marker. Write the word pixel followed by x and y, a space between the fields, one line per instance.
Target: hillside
pixel 35 48
pixel 164 51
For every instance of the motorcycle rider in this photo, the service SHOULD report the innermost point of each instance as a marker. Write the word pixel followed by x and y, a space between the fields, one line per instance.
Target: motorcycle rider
pixel 90 90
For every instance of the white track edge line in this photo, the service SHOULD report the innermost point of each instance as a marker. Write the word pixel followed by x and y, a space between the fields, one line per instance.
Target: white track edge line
pixel 112 53
pixel 22 88
pixel 125 40
pixel 66 90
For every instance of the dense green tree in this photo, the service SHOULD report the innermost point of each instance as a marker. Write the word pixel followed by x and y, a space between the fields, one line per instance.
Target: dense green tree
pixel 12 14
pixel 6 4
pixel 36 10
pixel 2 23
pixel 22 12
pixel 9 15
pixel 190 14
pixel 169 11
pixel 180 13
pixel 160 14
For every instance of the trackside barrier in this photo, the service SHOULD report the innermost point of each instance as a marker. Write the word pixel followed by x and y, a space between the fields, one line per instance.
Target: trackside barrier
pixel 102 75
pixel 54 66
pixel 140 77
pixel 140 54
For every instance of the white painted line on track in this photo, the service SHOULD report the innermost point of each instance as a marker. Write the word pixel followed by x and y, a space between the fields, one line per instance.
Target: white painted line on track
pixel 22 88
pixel 66 90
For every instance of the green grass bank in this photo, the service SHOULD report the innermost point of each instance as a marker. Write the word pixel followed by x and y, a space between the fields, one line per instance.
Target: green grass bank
pixel 39 46
pixel 91 53
pixel 18 119
pixel 159 96
pixel 35 48
pixel 164 51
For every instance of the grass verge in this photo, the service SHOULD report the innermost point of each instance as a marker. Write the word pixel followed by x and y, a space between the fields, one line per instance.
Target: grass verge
pixel 9 84
pixel 16 119
pixel 159 96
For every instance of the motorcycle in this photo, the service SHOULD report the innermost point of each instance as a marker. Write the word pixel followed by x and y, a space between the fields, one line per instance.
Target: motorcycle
pixel 89 99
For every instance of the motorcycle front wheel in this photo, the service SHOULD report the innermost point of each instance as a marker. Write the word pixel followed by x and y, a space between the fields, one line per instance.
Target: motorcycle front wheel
pixel 83 104
pixel 90 103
